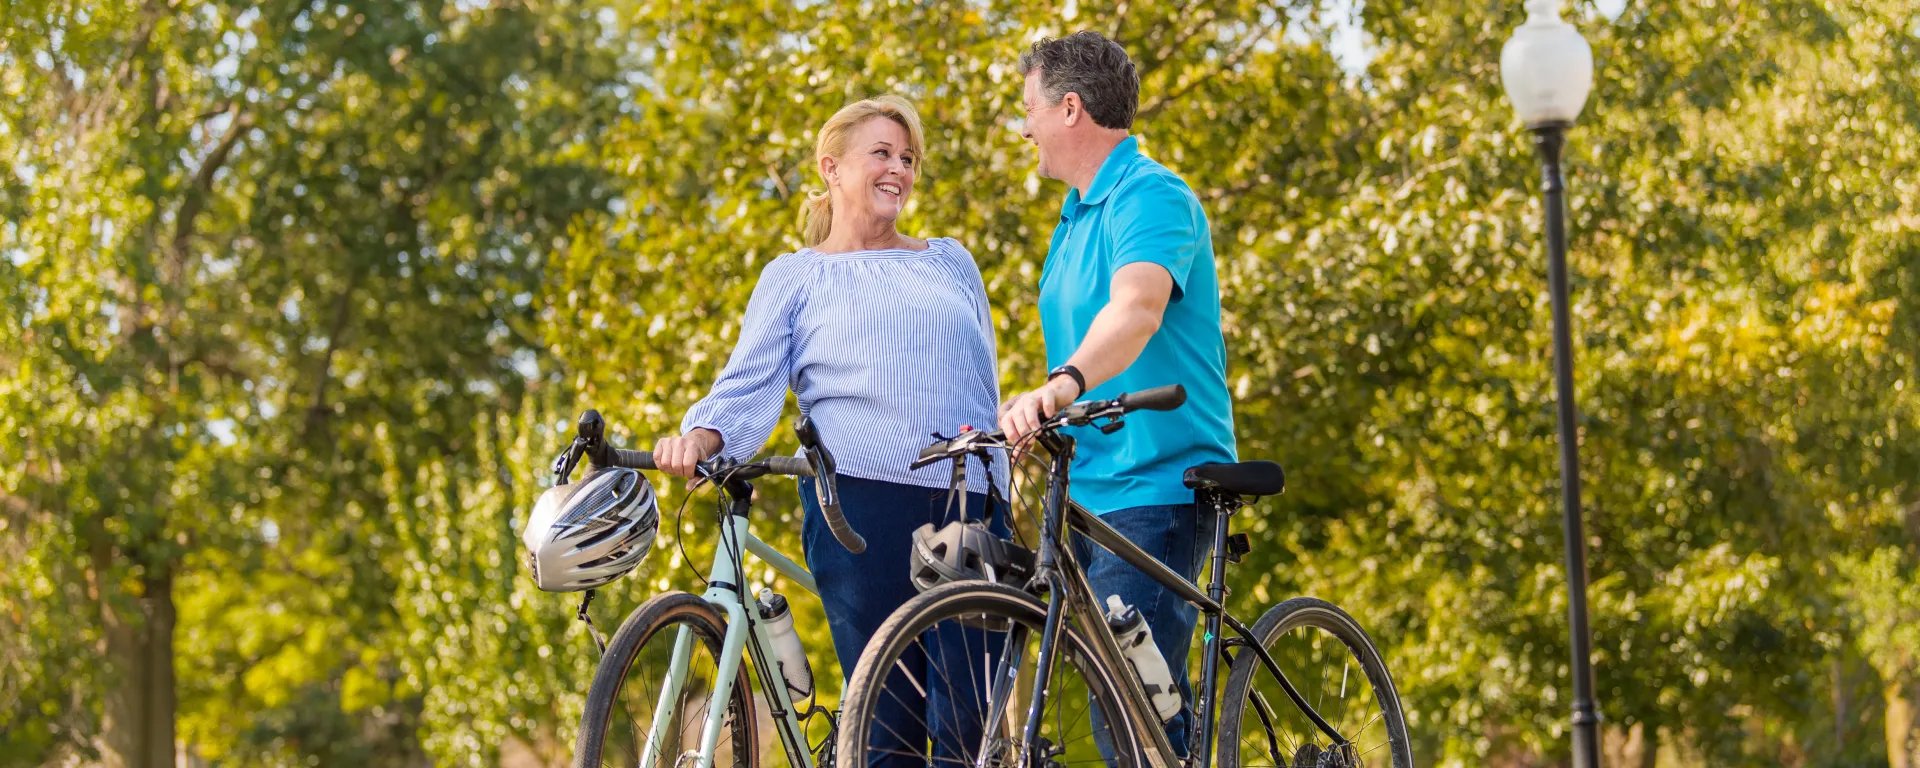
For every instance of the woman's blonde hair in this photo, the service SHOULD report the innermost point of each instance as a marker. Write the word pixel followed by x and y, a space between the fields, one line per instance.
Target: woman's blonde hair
pixel 816 214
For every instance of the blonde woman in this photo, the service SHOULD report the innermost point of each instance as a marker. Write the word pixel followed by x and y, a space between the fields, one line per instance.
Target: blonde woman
pixel 884 338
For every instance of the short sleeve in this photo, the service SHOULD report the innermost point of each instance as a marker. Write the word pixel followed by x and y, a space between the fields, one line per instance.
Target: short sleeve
pixel 1157 219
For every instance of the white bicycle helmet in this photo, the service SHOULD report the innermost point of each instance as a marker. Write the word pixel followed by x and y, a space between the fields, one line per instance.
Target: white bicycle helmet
pixel 585 534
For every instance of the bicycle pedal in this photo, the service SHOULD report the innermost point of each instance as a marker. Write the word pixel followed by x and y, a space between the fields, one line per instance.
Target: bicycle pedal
pixel 1238 545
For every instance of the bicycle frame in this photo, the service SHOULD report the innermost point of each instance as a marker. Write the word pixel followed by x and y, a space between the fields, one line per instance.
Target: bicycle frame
pixel 1070 595
pixel 745 632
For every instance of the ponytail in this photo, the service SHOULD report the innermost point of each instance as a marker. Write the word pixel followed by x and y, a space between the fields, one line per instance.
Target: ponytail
pixel 816 217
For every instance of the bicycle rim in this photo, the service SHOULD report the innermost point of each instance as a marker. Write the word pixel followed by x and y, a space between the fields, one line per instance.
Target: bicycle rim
pixel 1335 667
pixel 961 634
pixel 653 695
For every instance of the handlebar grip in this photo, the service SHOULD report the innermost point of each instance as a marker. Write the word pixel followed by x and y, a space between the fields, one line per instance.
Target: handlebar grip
pixel 819 463
pixel 1164 398
pixel 789 465
pixel 837 522
pixel 631 459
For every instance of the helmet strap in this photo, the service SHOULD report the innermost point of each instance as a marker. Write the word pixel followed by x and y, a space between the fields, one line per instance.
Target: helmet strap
pixel 956 488
pixel 995 500
pixel 599 640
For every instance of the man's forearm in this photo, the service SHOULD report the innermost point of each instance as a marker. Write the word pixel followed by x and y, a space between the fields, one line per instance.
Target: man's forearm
pixel 1115 339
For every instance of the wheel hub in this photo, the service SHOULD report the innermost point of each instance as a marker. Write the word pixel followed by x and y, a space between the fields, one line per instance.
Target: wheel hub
pixel 1313 756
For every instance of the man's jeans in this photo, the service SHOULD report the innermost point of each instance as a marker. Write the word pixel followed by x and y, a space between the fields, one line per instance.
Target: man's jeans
pixel 1179 537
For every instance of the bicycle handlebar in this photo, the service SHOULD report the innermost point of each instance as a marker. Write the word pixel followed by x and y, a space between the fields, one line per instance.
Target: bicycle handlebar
pixel 775 465
pixel 827 485
pixel 1164 398
pixel 1079 414
pixel 592 444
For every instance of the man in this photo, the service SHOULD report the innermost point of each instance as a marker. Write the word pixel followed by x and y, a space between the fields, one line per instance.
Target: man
pixel 1128 300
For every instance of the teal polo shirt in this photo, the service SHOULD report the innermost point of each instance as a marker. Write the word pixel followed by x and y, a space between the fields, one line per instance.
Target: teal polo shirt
pixel 1138 211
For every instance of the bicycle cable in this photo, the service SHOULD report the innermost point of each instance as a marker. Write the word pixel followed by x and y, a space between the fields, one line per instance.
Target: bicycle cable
pixel 679 536
pixel 732 543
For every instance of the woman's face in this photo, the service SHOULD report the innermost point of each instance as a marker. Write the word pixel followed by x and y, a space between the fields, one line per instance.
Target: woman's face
pixel 875 175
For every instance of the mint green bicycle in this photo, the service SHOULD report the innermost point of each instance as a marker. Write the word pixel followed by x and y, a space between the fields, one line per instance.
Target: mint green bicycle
pixel 672 688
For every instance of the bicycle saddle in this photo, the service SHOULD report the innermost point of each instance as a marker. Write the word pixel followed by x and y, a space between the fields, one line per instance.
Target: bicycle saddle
pixel 1247 478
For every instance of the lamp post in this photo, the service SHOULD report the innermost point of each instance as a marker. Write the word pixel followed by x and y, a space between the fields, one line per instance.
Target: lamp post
pixel 1547 69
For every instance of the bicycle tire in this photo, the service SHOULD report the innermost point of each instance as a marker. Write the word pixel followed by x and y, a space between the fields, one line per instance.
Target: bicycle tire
pixel 629 646
pixel 1322 616
pixel 971 604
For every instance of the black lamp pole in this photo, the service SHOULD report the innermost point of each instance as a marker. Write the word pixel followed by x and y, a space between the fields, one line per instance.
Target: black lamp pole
pixel 1549 138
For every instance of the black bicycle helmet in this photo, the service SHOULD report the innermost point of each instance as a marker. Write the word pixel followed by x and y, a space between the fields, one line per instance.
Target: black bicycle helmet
pixel 960 551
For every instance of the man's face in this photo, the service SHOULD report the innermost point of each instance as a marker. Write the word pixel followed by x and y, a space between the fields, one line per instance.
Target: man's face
pixel 1043 125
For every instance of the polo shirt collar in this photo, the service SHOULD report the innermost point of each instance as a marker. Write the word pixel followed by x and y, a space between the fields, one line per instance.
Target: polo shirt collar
pixel 1111 170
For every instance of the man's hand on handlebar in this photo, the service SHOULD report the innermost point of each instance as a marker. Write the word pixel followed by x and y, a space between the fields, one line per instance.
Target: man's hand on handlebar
pixel 1025 413
pixel 678 455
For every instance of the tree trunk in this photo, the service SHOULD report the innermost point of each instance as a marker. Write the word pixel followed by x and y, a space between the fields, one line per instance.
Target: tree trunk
pixel 1902 721
pixel 1903 731
pixel 1842 703
pixel 1637 746
pixel 159 697
pixel 137 728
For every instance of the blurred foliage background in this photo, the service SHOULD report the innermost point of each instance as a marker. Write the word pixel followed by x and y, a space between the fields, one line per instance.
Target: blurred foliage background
pixel 301 296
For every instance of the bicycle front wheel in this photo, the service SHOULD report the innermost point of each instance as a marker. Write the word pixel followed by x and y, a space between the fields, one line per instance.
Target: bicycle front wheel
pixel 654 693
pixel 1334 666
pixel 948 680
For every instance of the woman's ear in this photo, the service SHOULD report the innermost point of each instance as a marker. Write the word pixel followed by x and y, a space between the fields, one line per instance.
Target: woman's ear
pixel 830 170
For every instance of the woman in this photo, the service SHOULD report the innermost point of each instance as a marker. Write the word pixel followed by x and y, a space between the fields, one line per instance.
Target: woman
pixel 884 339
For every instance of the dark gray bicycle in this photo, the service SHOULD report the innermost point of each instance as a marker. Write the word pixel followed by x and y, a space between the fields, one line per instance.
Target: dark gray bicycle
pixel 1041 680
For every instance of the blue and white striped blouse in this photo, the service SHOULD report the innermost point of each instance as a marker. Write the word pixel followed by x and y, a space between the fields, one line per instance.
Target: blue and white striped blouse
pixel 882 349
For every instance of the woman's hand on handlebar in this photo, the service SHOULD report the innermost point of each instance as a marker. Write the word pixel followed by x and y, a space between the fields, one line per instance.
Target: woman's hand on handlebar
pixel 1025 413
pixel 678 455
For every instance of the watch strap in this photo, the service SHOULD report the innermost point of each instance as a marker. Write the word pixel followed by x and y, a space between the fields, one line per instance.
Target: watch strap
pixel 1079 380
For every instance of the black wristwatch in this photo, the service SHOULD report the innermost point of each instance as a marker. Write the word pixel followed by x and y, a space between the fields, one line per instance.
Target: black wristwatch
pixel 1068 370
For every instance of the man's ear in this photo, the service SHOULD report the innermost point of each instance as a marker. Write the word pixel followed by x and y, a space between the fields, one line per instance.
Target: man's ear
pixel 1075 110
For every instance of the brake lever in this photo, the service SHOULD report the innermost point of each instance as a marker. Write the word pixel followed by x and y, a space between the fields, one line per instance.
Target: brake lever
pixel 1086 413
pixel 825 475
pixel 564 463
pixel 711 470
pixel 826 485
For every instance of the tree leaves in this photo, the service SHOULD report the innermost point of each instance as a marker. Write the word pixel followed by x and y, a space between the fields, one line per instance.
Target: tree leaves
pixel 303 296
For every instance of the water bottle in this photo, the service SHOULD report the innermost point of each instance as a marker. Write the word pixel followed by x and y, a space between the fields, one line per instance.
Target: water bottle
pixel 1136 641
pixel 787 652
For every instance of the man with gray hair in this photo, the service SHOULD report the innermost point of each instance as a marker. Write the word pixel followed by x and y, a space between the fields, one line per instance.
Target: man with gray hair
pixel 1128 300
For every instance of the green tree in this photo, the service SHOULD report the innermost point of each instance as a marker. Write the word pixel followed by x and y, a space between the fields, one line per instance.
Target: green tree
pixel 305 295
pixel 268 261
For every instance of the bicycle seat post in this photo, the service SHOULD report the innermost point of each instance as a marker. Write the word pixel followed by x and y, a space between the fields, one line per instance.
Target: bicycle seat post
pixel 1221 505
